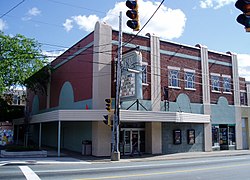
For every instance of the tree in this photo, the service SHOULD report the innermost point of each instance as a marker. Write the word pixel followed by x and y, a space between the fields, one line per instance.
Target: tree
pixel 20 58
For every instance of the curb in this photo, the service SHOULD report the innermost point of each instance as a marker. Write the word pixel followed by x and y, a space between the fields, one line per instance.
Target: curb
pixel 70 160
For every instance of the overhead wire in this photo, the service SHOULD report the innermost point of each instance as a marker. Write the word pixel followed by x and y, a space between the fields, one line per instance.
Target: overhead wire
pixel 14 7
pixel 75 6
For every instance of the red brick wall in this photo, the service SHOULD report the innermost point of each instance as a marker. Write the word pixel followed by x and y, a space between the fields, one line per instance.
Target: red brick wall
pixel 41 96
pixel 78 71
pixel 182 63
pixel 222 70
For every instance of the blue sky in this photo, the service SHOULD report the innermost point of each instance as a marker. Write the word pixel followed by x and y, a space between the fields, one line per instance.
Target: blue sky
pixel 58 24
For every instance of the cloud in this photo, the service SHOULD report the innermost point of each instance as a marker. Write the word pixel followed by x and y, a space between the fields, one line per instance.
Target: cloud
pixel 86 23
pixel 34 11
pixel 3 25
pixel 31 13
pixel 51 55
pixel 215 4
pixel 68 25
pixel 167 23
pixel 244 65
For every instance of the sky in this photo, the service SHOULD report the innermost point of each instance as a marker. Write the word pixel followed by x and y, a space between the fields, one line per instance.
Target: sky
pixel 59 24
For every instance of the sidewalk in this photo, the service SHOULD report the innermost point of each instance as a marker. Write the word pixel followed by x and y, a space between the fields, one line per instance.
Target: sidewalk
pixel 77 158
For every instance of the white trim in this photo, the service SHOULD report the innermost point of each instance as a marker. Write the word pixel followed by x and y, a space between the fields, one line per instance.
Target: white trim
pixel 174 68
pixel 126 116
pixel 190 89
pixel 227 76
pixel 216 91
pixel 214 74
pixel 144 63
pixel 174 87
pixel 189 70
pixel 224 92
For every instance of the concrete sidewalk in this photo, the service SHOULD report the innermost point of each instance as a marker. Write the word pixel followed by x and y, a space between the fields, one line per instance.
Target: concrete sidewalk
pixel 76 158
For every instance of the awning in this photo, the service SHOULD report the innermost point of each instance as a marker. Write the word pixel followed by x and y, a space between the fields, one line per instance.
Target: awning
pixel 125 116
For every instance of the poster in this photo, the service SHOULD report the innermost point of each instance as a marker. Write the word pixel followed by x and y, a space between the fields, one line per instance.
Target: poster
pixel 191 136
pixel 177 136
pixel 6 133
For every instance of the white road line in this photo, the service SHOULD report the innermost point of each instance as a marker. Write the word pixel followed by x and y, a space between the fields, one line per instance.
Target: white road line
pixel 137 166
pixel 28 173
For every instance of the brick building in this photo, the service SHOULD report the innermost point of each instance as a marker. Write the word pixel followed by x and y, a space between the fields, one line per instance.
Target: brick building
pixel 174 97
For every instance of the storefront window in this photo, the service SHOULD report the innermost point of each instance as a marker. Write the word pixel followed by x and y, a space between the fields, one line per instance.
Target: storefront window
pixel 215 135
pixel 231 135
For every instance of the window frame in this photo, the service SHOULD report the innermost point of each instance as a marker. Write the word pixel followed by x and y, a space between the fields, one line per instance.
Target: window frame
pixel 173 78
pixel 215 82
pixel 227 84
pixel 187 79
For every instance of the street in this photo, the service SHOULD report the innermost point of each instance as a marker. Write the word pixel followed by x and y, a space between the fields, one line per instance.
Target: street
pixel 231 167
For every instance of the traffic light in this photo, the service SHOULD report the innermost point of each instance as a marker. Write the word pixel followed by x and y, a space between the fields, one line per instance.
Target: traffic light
pixel 133 14
pixel 108 104
pixel 244 19
pixel 108 120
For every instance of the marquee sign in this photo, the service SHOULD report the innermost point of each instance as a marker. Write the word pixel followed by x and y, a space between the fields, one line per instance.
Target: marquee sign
pixel 131 77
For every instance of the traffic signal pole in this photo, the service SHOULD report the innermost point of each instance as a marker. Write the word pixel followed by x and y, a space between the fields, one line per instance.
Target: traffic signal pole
pixel 115 156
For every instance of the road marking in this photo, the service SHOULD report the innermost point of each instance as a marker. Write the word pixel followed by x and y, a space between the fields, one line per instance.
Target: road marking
pixel 137 166
pixel 164 173
pixel 28 173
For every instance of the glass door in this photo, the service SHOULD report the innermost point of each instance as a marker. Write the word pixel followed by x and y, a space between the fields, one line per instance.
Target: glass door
pixel 223 137
pixel 126 140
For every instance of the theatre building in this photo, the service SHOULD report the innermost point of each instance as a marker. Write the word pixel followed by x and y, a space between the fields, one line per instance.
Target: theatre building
pixel 174 97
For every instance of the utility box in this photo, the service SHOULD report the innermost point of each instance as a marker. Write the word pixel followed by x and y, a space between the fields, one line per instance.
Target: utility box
pixel 86 147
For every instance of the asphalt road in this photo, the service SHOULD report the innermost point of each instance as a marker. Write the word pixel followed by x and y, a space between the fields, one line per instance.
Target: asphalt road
pixel 223 168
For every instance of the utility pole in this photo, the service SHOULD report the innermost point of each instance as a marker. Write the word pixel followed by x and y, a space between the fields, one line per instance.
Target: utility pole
pixel 115 156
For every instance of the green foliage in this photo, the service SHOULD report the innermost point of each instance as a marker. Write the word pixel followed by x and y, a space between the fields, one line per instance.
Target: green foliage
pixel 20 58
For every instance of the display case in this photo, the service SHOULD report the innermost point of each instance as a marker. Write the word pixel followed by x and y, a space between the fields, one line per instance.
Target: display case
pixel 191 136
pixel 177 136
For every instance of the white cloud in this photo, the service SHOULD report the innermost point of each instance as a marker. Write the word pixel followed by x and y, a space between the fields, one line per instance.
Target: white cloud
pixel 206 4
pixel 86 23
pixel 3 25
pixel 51 55
pixel 215 4
pixel 34 11
pixel 244 65
pixel 166 23
pixel 31 12
pixel 68 25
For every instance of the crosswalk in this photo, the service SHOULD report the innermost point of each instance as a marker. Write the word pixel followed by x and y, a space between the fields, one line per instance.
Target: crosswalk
pixel 29 173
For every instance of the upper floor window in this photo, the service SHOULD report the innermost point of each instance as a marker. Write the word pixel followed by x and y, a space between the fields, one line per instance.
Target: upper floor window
pixel 173 77
pixel 226 83
pixel 215 81
pixel 243 97
pixel 189 79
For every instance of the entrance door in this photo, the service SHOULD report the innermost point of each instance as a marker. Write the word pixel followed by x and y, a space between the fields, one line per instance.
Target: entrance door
pixel 223 137
pixel 126 136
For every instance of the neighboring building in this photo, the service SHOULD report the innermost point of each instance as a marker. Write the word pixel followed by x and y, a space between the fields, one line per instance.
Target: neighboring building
pixel 245 111
pixel 15 97
pixel 174 97
pixel 12 108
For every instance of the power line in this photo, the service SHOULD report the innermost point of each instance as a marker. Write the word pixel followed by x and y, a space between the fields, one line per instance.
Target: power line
pixel 12 9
